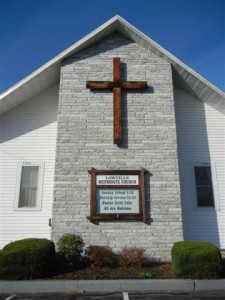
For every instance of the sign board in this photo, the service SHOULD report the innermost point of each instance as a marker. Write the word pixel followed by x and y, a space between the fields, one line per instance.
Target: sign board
pixel 117 201
pixel 117 179
pixel 117 195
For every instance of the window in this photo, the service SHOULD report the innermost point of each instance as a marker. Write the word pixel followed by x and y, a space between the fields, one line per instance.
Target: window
pixel 205 183
pixel 29 186
pixel 204 187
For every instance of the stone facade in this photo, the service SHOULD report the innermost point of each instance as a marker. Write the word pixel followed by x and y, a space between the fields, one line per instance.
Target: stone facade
pixel 85 141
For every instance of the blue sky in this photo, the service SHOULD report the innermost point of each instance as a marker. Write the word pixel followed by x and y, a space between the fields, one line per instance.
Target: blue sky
pixel 34 31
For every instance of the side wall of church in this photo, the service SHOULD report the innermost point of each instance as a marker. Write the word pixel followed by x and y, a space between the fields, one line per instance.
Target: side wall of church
pixel 85 141
pixel 201 141
pixel 27 134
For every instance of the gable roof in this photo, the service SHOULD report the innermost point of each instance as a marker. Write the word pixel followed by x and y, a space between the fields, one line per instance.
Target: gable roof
pixel 49 73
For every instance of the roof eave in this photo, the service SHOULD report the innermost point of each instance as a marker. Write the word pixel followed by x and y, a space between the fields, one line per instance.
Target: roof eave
pixel 202 88
pixel 49 73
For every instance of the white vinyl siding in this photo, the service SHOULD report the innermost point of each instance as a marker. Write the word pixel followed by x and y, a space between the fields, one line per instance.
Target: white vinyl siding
pixel 201 138
pixel 28 134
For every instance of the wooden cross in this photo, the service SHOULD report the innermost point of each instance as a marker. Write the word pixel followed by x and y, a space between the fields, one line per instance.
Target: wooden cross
pixel 117 85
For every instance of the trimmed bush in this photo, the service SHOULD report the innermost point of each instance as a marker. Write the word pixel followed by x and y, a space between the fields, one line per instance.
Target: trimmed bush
pixel 27 259
pixel 196 260
pixel 131 257
pixel 70 247
pixel 101 256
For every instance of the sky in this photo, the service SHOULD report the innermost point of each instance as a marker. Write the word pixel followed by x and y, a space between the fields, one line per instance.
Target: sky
pixel 34 31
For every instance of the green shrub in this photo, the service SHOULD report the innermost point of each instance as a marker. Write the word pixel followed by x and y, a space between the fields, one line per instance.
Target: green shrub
pixel 70 247
pixel 131 257
pixel 101 256
pixel 27 259
pixel 196 260
pixel 146 275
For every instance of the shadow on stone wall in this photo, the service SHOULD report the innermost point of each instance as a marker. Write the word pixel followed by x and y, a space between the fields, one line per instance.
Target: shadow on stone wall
pixel 125 132
pixel 148 176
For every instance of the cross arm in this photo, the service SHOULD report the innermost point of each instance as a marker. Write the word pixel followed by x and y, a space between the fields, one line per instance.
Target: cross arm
pixel 99 84
pixel 131 85
pixel 134 85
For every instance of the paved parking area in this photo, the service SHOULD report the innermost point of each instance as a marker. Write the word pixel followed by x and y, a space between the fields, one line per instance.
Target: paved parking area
pixel 120 296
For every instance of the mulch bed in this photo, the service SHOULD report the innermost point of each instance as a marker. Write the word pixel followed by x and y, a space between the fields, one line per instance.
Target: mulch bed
pixel 160 270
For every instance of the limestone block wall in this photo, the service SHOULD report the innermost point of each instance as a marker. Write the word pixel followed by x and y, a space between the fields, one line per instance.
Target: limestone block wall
pixel 85 140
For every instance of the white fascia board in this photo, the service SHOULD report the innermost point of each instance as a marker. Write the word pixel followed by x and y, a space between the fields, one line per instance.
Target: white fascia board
pixel 115 23
pixel 171 57
pixel 84 42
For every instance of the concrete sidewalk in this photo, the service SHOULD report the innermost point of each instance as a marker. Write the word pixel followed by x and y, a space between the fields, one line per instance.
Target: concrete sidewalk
pixel 87 286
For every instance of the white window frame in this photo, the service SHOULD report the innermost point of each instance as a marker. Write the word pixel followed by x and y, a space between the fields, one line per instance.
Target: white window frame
pixel 212 165
pixel 39 188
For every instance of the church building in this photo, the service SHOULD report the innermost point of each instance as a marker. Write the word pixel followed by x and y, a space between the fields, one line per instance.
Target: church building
pixel 115 140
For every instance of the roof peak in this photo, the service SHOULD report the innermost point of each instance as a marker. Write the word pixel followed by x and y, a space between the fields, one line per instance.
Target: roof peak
pixel 48 74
